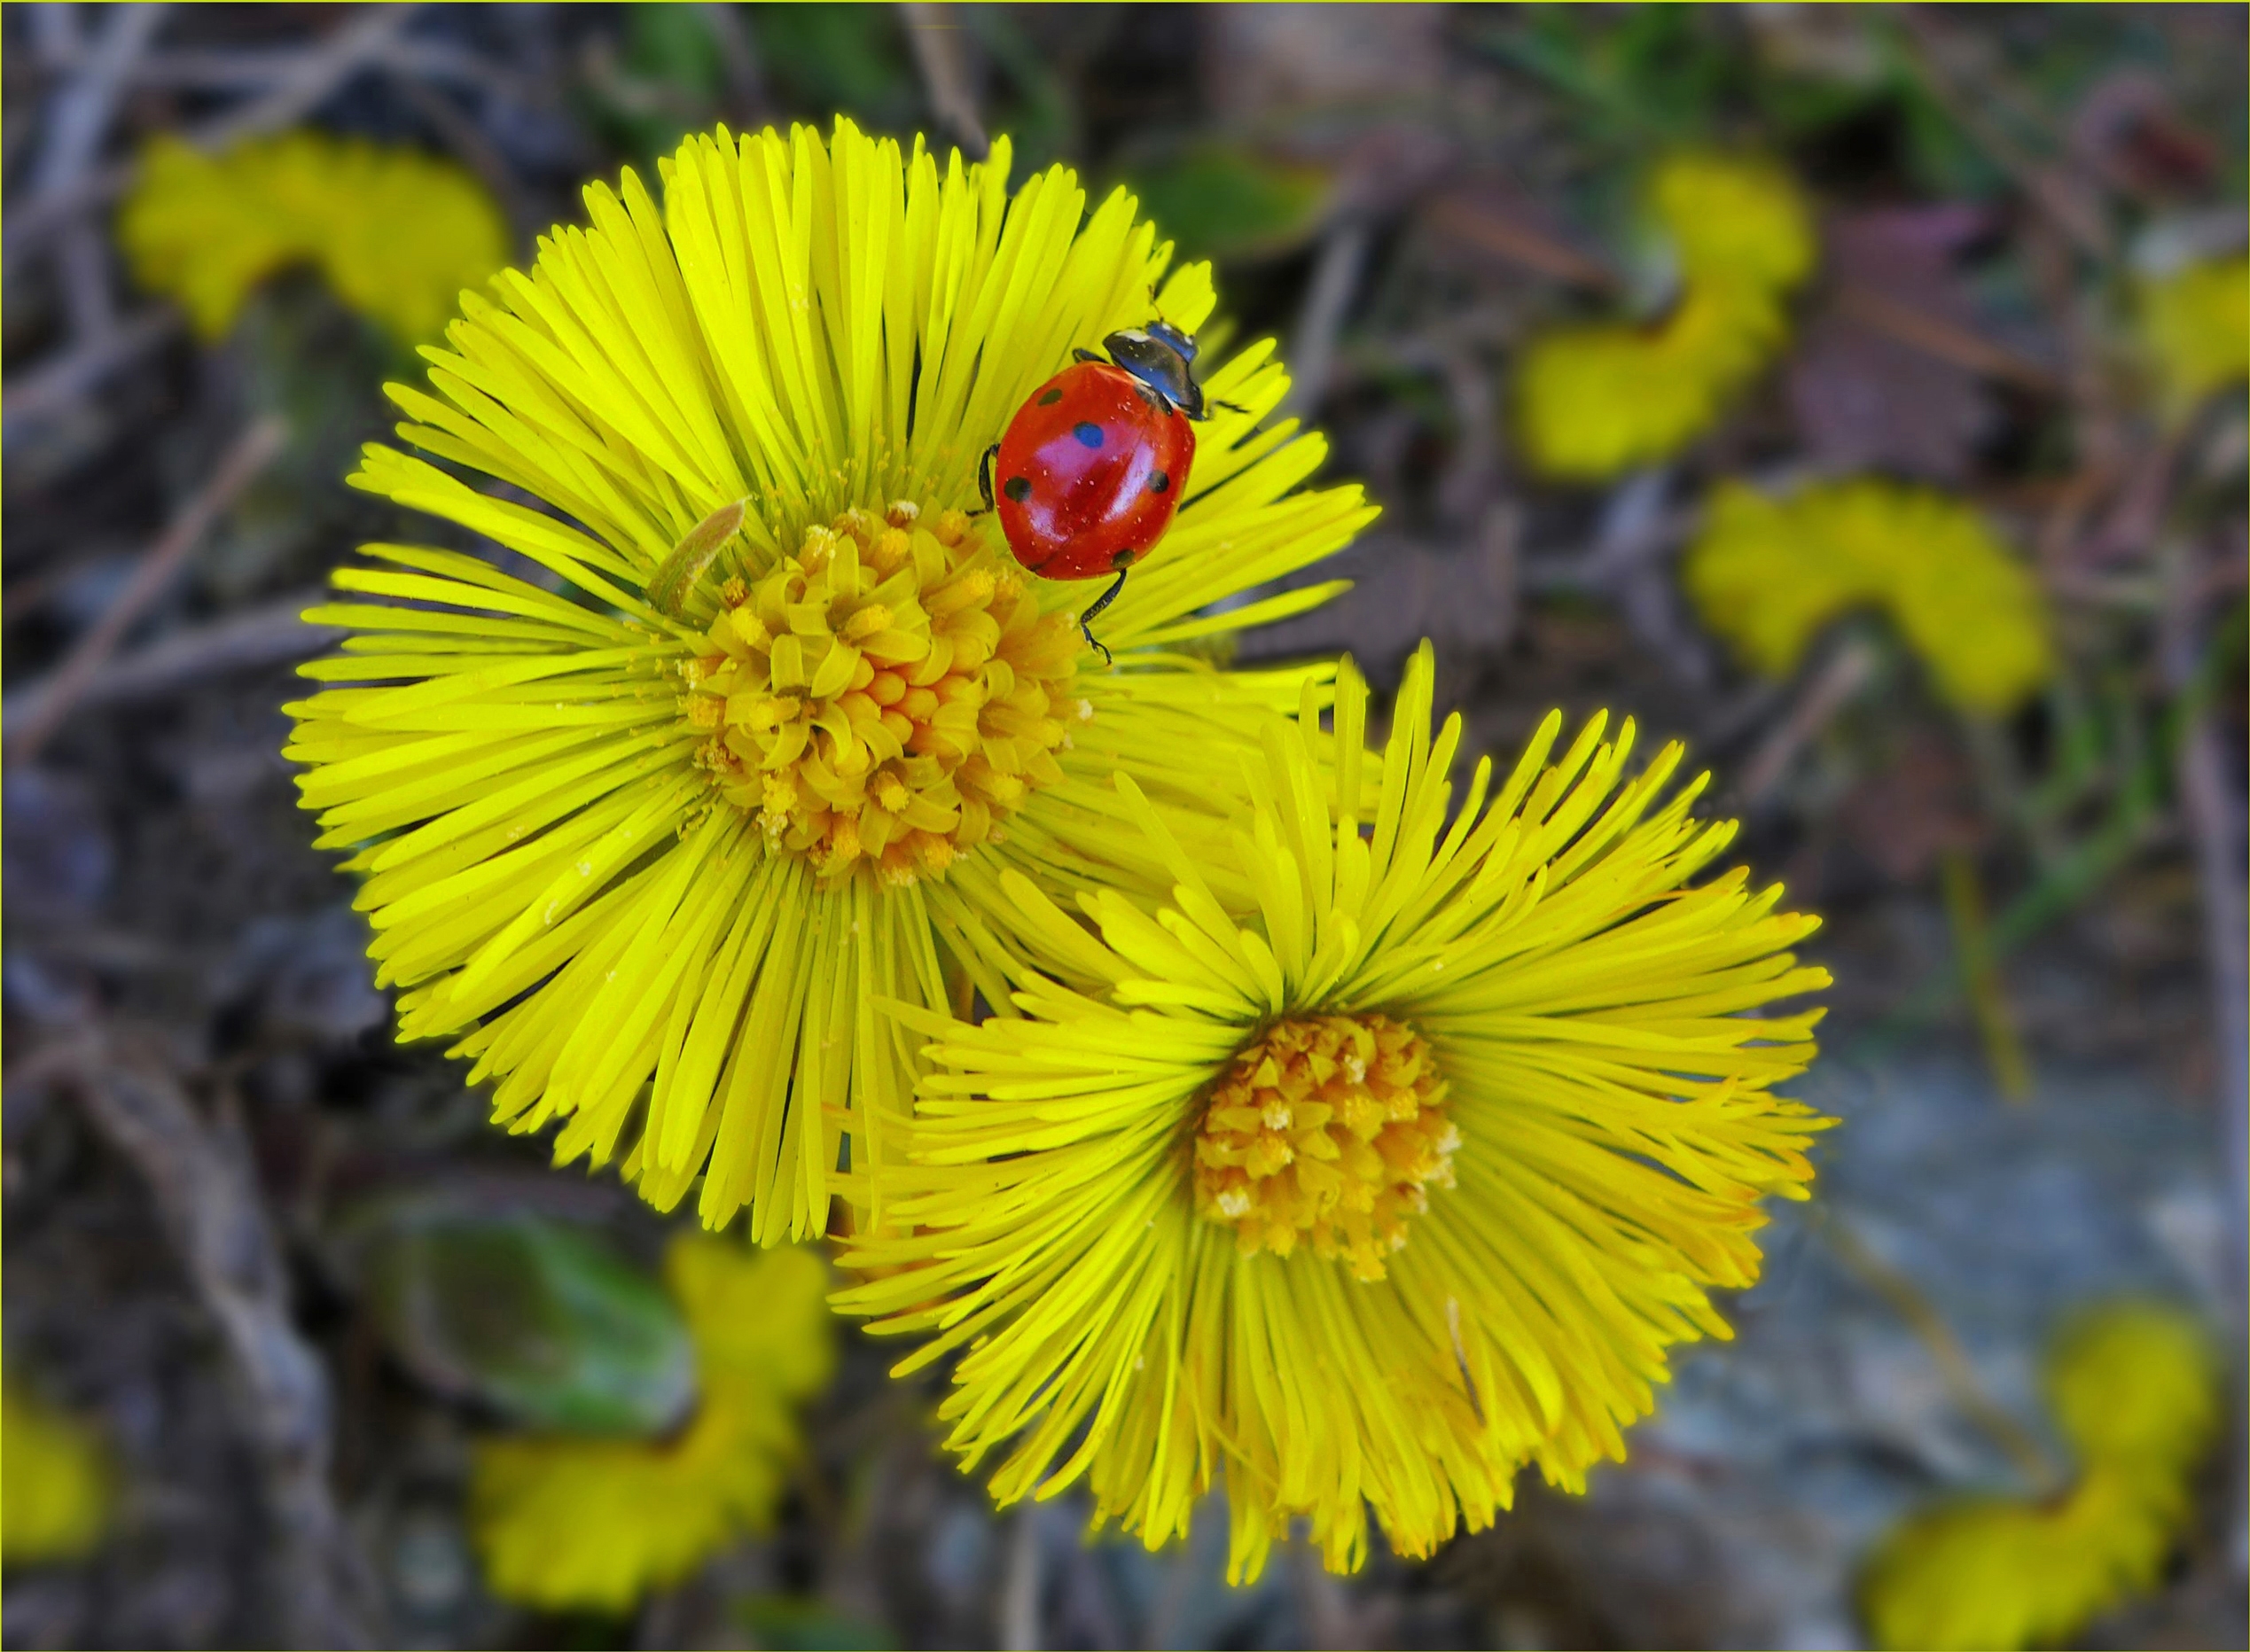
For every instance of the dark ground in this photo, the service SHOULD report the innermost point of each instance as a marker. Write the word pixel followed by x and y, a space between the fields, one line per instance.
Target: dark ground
pixel 202 1095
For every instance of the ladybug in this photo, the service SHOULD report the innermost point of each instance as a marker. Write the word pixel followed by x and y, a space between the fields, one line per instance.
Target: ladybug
pixel 1093 463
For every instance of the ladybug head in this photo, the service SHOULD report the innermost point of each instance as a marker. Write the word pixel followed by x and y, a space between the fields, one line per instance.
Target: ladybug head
pixel 1158 355
pixel 1164 332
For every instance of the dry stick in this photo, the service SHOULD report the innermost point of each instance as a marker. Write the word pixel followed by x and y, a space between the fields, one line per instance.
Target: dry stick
pixel 2215 825
pixel 252 452
pixel 83 110
pixel 2214 817
pixel 81 119
pixel 1637 532
pixel 211 1209
pixel 747 100
pixel 63 378
pixel 1942 340
pixel 933 34
pixel 254 68
pixel 1463 218
pixel 1312 346
pixel 355 46
pixel 1019 1582
pixel 1837 683
pixel 477 151
pixel 1906 1300
pixel 367 39
pixel 271 634
pixel 1500 542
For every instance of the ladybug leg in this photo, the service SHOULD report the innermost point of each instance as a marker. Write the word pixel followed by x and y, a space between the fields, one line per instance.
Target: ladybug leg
pixel 984 476
pixel 1090 355
pixel 1086 620
pixel 1231 407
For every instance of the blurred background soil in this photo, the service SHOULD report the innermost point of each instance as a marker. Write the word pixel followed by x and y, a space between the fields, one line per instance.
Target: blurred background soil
pixel 204 1102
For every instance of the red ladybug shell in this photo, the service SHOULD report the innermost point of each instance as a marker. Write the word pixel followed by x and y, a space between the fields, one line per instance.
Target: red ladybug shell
pixel 1089 472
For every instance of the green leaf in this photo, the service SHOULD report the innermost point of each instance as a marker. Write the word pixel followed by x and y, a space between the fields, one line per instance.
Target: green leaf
pixel 543 1321
pixel 1221 202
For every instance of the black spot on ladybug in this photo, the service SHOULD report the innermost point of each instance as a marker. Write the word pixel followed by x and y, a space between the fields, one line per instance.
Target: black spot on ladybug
pixel 1090 435
pixel 1123 558
pixel 1160 483
pixel 1051 398
pixel 1016 488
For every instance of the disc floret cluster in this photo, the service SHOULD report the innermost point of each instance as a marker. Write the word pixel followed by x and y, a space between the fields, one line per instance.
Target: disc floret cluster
pixel 886 696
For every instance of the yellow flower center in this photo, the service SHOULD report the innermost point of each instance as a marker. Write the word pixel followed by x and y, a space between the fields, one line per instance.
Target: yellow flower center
pixel 1331 1126
pixel 884 697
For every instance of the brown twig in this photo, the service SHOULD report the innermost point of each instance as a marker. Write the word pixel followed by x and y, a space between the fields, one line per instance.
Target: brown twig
pixel 476 151
pixel 1465 218
pixel 80 122
pixel 1500 538
pixel 1834 687
pixel 747 100
pixel 1328 296
pixel 2214 825
pixel 365 39
pixel 2211 801
pixel 257 68
pixel 82 109
pixel 210 1204
pixel 1905 1299
pixel 256 449
pixel 1935 337
pixel 934 33
pixel 271 634
pixel 1019 1601
pixel 1638 534
pixel 64 378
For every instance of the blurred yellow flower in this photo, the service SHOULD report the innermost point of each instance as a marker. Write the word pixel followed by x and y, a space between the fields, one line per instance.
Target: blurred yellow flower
pixel 1733 223
pixel 647 846
pixel 1766 574
pixel 565 1522
pixel 1405 1180
pixel 2131 1384
pixel 1593 401
pixel 395 233
pixel 2133 1392
pixel 56 1491
pixel 2196 324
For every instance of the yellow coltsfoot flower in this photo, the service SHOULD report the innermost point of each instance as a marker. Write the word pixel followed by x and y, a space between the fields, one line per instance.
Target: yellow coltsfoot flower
pixel 1768 575
pixel 743 736
pixel 2133 1389
pixel 1593 401
pixel 564 1522
pixel 2195 327
pixel 1366 1196
pixel 57 1488
pixel 396 234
